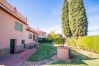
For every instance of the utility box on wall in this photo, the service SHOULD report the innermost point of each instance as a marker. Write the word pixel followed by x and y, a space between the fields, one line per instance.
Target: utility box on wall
pixel 62 53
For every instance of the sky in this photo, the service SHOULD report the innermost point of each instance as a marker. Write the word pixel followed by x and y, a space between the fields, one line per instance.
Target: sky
pixel 46 14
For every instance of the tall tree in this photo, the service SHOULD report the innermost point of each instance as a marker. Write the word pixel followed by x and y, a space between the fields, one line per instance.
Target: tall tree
pixel 77 18
pixel 52 35
pixel 65 20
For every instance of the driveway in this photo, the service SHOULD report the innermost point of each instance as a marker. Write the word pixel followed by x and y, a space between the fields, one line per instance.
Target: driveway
pixel 16 59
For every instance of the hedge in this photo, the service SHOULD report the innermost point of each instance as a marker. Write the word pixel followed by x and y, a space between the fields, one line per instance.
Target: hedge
pixel 59 40
pixel 71 41
pixel 90 43
pixel 45 40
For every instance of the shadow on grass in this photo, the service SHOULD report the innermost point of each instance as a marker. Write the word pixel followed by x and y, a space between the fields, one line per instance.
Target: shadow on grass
pixel 77 60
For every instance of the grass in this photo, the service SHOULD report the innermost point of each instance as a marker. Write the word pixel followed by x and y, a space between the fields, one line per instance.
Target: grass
pixel 81 59
pixel 87 59
pixel 45 51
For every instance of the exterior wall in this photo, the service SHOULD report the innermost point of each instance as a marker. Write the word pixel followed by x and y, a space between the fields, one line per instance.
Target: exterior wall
pixel 13 10
pixel 29 41
pixel 7 31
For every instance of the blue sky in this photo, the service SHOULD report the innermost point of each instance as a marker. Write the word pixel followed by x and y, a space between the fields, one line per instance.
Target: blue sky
pixel 46 14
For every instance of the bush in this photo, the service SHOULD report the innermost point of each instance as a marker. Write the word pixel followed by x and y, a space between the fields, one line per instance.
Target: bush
pixel 90 43
pixel 72 53
pixel 45 40
pixel 71 41
pixel 86 42
pixel 59 40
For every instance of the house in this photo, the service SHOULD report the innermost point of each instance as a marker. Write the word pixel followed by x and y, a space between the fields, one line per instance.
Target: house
pixel 41 34
pixel 33 33
pixel 15 33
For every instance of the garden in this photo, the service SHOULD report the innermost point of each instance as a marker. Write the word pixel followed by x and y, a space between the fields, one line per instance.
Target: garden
pixel 77 57
pixel 72 48
pixel 82 52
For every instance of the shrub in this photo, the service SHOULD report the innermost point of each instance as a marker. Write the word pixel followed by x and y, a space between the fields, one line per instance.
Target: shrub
pixel 45 40
pixel 71 41
pixel 59 40
pixel 86 42
pixel 72 53
pixel 90 43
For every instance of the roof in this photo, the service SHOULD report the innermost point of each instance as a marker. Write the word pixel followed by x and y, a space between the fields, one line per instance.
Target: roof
pixel 32 30
pixel 41 32
pixel 4 5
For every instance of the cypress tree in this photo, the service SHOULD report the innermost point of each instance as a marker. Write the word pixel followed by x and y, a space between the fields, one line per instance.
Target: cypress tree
pixel 65 20
pixel 77 18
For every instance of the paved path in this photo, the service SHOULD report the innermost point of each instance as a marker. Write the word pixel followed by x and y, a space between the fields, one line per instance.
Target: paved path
pixel 16 59
pixel 87 53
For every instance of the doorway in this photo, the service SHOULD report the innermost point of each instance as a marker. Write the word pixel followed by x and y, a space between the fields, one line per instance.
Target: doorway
pixel 23 42
pixel 12 46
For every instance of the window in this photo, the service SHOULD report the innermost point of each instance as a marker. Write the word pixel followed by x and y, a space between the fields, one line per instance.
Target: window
pixel 18 26
pixel 23 41
pixel 30 36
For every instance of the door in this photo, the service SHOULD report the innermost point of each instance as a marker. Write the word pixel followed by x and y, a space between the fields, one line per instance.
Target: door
pixel 33 37
pixel 12 46
pixel 23 42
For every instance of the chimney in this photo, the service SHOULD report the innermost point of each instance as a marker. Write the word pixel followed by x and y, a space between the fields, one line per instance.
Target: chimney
pixel 15 10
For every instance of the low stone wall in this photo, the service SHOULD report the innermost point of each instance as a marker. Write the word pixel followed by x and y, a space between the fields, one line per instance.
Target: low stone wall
pixel 18 48
pixel 31 45
pixel 4 51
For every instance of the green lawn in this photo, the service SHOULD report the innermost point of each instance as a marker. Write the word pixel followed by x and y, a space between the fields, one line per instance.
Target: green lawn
pixel 45 51
pixel 86 59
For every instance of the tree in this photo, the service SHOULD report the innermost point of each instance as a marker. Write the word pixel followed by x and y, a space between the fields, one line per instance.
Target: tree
pixel 77 18
pixel 51 35
pixel 65 20
pixel 59 35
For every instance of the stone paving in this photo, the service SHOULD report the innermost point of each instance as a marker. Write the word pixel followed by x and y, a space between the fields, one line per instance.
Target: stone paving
pixel 16 59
